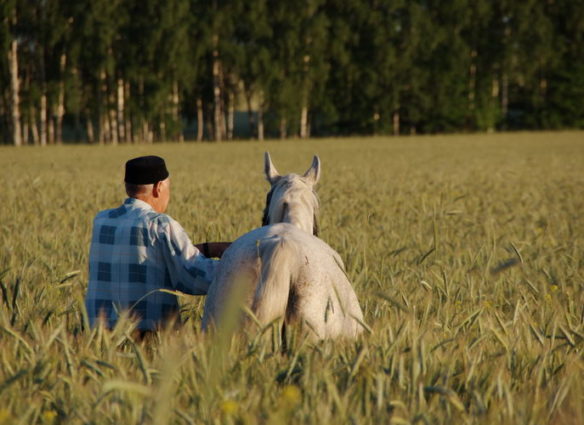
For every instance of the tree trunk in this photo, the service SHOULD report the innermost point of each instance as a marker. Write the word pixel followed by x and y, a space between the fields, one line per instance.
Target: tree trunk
pixel 504 98
pixel 395 122
pixel 209 109
pixel 113 126
pixel 176 113
pixel 495 90
pixel 121 130
pixel 34 128
pixel 50 127
pixel 250 117
pixel 43 117
pixel 15 92
pixel 147 133
pixel 217 112
pixel 230 115
pixel 260 122
pixel 25 131
pixel 60 100
pixel 128 130
pixel 375 119
pixel 104 128
pixel 113 115
pixel 283 128
pixel 306 89
pixel 4 123
pixel 472 81
pixel 200 120
pixel 90 131
pixel 304 122
pixel 141 123
pixel 162 133
pixel 103 120
pixel 98 131
pixel 78 133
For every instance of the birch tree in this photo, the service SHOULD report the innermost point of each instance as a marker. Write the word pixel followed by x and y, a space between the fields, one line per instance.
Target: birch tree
pixel 9 46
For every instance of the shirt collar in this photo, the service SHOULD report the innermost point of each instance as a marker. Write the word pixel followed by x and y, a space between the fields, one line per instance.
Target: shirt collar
pixel 137 203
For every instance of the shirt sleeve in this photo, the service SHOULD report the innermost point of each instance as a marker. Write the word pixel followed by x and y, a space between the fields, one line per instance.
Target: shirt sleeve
pixel 190 271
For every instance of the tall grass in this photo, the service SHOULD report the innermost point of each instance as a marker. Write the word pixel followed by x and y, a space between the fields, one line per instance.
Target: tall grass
pixel 466 252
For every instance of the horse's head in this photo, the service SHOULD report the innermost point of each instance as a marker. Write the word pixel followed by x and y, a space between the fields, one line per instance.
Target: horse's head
pixel 292 198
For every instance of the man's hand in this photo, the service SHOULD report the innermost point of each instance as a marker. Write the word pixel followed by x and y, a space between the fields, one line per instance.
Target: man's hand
pixel 212 249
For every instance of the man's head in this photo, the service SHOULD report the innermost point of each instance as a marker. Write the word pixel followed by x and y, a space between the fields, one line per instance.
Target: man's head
pixel 148 179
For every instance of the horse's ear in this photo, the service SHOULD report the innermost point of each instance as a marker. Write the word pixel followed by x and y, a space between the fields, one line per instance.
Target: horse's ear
pixel 272 174
pixel 313 173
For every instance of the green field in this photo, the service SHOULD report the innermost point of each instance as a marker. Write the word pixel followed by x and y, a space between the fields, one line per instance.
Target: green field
pixel 466 252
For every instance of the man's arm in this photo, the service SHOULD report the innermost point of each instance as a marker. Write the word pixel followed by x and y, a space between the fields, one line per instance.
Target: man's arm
pixel 190 270
pixel 213 249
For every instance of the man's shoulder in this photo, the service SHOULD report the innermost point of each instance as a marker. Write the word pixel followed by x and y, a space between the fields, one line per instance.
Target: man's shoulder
pixel 112 213
pixel 132 217
pixel 160 218
pixel 125 212
pixel 109 212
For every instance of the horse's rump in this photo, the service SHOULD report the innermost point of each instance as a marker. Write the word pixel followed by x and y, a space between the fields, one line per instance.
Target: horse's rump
pixel 279 271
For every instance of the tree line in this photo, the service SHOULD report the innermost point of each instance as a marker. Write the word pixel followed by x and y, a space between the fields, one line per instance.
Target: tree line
pixel 119 71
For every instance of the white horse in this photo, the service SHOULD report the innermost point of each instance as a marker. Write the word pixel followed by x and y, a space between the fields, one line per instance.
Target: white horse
pixel 283 270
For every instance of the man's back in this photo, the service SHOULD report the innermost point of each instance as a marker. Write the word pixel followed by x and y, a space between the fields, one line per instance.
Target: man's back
pixel 134 253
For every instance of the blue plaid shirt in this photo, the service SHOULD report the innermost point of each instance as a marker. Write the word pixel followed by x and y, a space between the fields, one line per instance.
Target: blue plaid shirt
pixel 134 253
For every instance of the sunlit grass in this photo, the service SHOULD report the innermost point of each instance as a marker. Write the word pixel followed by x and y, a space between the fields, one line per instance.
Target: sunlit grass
pixel 466 252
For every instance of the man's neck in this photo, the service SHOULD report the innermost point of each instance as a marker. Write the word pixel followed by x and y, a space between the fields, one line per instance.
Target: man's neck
pixel 150 200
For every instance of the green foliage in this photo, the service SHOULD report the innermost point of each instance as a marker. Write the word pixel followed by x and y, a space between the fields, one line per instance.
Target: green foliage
pixel 356 66
pixel 465 253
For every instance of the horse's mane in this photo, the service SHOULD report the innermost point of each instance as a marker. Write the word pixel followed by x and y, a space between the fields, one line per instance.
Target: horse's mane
pixel 266 213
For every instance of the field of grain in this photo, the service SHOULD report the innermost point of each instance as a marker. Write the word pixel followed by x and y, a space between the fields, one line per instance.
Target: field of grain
pixel 466 252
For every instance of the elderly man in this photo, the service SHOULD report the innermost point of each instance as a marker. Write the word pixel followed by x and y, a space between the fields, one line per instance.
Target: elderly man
pixel 137 250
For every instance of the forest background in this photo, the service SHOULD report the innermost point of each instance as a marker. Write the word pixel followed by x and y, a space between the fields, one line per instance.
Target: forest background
pixel 112 71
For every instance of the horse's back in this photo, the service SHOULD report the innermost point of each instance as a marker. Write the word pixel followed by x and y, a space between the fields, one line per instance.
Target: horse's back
pixel 317 289
pixel 328 302
pixel 238 272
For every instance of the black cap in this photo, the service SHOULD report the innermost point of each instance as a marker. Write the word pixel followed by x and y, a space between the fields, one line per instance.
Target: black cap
pixel 145 170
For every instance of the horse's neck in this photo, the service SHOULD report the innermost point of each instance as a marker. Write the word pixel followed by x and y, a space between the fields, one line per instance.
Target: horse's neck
pixel 291 201
pixel 299 217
